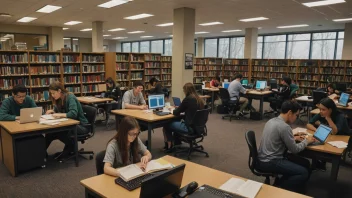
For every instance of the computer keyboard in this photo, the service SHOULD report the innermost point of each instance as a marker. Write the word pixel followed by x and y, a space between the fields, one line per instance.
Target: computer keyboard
pixel 134 183
pixel 160 113
pixel 215 192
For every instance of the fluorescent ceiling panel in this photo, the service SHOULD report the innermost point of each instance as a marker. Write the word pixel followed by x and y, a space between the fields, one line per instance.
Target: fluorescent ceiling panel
pixel 201 32
pixel 136 32
pixel 231 31
pixel 293 26
pixel 118 38
pixel 106 35
pixel 116 29
pixel 254 19
pixel 72 23
pixel 48 9
pixel 165 24
pixel 323 3
pixel 86 30
pixel 113 3
pixel 147 36
pixel 26 19
pixel 139 16
pixel 211 23
pixel 340 20
pixel 65 28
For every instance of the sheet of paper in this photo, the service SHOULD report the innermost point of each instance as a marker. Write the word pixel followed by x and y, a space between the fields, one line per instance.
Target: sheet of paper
pixel 232 185
pixel 45 121
pixel 298 129
pixel 338 144
pixel 250 189
pixel 48 117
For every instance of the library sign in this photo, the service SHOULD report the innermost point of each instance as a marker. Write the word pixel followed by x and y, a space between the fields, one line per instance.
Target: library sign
pixel 188 61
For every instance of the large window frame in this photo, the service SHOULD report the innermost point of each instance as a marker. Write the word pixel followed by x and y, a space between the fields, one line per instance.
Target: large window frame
pixel 230 38
pixel 150 45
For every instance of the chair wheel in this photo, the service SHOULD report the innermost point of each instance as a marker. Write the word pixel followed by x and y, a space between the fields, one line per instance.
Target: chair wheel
pixel 90 157
pixel 206 155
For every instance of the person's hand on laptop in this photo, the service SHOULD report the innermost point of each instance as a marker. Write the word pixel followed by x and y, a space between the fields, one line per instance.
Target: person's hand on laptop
pixel 299 138
pixel 49 112
pixel 311 139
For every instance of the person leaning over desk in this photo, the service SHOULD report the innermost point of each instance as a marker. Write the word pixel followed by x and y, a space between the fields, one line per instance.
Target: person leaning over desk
pixel 276 140
pixel 235 88
pixel 11 106
pixel 133 99
pixel 66 105
pixel 125 148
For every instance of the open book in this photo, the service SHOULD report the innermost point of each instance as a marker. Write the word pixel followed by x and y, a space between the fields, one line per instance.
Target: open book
pixel 247 188
pixel 133 171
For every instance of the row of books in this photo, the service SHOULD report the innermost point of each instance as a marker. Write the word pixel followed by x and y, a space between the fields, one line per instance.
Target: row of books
pixel 137 66
pixel 72 79
pixel 42 82
pixel 152 57
pixel 349 71
pixel 137 57
pixel 14 58
pixel 93 68
pixel 46 107
pixel 260 62
pixel 93 58
pixel 90 88
pixel 72 69
pixel 152 71
pixel 71 58
pixel 166 71
pixel 9 83
pixel 235 62
pixel 308 84
pixel 122 76
pixel 10 70
pixel 166 83
pixel 121 57
pixel 309 63
pixel 331 63
pixel 123 84
pixel 74 89
pixel 215 61
pixel 261 68
pixel 308 70
pixel 122 66
pixel 46 58
pixel 308 77
pixel 152 65
pixel 40 96
pixel 166 58
pixel 236 68
pixel 331 78
pixel 277 69
pixel 147 78
pixel 259 75
pixel 50 69
pixel 214 67
pixel 277 75
pixel 166 65
pixel 279 62
pixel 165 77
pixel 93 78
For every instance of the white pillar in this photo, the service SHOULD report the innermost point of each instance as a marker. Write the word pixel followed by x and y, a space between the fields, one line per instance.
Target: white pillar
pixel 97 36
pixel 250 45
pixel 56 38
pixel 347 42
pixel 200 47
pixel 183 42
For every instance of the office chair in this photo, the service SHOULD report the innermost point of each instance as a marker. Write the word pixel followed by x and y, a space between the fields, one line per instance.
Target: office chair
pixel 231 105
pixel 273 83
pixel 294 89
pixel 253 159
pixel 99 164
pixel 196 134
pixel 198 88
pixel 318 96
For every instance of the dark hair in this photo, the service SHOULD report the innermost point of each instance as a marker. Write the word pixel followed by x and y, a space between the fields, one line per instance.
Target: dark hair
pixel 217 78
pixel 331 86
pixel 287 80
pixel 290 106
pixel 153 80
pixel 56 86
pixel 137 84
pixel 240 76
pixel 19 88
pixel 111 81
pixel 330 104
pixel 189 90
pixel 127 124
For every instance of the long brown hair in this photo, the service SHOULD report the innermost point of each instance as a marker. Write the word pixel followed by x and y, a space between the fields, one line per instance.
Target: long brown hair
pixel 127 124
pixel 56 86
pixel 189 90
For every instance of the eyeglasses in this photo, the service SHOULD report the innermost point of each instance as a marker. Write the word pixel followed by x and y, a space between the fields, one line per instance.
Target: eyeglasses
pixel 19 97
pixel 134 134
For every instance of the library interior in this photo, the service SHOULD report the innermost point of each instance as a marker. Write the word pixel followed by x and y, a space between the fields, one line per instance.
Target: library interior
pixel 161 98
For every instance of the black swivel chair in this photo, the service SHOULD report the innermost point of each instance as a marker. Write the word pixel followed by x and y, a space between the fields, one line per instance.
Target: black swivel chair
pixel 273 83
pixel 99 164
pixel 253 159
pixel 196 134
pixel 231 105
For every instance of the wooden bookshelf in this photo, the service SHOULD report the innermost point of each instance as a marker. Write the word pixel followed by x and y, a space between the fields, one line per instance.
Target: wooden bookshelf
pixel 92 73
pixel 260 69
pixel 71 72
pixel 278 68
pixel 166 71
pixel 235 66
pixel 207 68
pixel 152 68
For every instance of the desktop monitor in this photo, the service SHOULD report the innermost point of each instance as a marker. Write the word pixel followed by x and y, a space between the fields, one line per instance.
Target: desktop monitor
pixel 225 85
pixel 156 101
pixel 342 87
pixel 260 84
pixel 244 82
pixel 163 184
pixel 344 99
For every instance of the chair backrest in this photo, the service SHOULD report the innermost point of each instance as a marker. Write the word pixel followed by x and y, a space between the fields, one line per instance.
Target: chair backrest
pixel 318 96
pixel 199 122
pixel 99 164
pixel 253 152
pixel 198 88
pixel 90 113
pixel 294 88
pixel 224 95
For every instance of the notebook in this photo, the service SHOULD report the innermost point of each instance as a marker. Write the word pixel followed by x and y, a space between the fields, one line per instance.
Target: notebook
pixel 133 171
pixel 247 188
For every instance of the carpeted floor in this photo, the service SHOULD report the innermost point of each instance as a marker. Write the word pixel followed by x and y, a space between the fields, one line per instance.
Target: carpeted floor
pixel 225 144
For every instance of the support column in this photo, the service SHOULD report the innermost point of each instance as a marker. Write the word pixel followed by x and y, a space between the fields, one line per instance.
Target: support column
pixel 56 38
pixel 119 46
pixel 250 45
pixel 347 42
pixel 200 47
pixel 112 45
pixel 97 36
pixel 183 42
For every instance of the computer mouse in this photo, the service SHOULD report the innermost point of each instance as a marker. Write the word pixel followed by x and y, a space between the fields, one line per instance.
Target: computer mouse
pixel 191 187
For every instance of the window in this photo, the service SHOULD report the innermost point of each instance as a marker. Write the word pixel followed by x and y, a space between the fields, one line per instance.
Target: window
pixel 298 46
pixel 224 47
pixel 157 46
pixel 23 42
pixel 260 47
pixel 340 45
pixel 126 47
pixel 323 45
pixel 145 45
pixel 168 47
pixel 135 47
pixel 274 46
pixel 237 47
pixel 210 47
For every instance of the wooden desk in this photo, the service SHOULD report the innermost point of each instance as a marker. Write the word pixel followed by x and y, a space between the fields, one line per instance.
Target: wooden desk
pixel 327 152
pixel 104 185
pixel 12 130
pixel 93 100
pixel 212 90
pixel 304 99
pixel 147 119
pixel 259 95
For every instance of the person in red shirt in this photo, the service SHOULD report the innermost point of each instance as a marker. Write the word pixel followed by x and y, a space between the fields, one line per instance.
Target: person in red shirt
pixel 215 82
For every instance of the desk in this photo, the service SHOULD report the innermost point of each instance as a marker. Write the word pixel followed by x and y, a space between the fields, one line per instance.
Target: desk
pixel 12 130
pixel 259 95
pixel 93 100
pixel 147 119
pixel 104 185
pixel 327 152
pixel 304 99
pixel 212 90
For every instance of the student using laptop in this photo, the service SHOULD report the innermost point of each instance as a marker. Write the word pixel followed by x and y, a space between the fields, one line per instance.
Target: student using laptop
pixel 215 82
pixel 11 106
pixel 282 94
pixel 133 99
pixel 112 91
pixel 125 148
pixel 235 88
pixel 66 105
pixel 330 89
pixel 276 140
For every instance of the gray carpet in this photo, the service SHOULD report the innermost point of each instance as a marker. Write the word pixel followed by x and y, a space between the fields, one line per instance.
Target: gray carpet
pixel 225 144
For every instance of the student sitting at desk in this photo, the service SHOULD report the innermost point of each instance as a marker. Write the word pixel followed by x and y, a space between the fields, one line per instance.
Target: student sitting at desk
pixel 156 86
pixel 190 105
pixel 66 105
pixel 276 140
pixel 125 148
pixel 235 88
pixel 282 94
pixel 133 99
pixel 330 89
pixel 112 90
pixel 215 82
pixel 11 106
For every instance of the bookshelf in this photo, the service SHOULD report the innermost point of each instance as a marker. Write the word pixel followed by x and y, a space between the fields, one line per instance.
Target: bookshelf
pixel 152 68
pixel 71 72
pixel 235 66
pixel 278 68
pixel 308 76
pixel 260 69
pixel 207 68
pixel 123 72
pixel 92 73
pixel 166 71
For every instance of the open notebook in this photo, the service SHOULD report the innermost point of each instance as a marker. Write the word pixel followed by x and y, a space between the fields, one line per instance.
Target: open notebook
pixel 247 188
pixel 133 171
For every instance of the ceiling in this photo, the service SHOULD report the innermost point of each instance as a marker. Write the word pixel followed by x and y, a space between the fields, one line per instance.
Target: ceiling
pixel 279 12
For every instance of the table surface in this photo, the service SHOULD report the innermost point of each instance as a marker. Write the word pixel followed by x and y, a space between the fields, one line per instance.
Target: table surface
pixel 255 92
pixel 211 89
pixel 92 100
pixel 14 127
pixel 304 99
pixel 105 186
pixel 142 115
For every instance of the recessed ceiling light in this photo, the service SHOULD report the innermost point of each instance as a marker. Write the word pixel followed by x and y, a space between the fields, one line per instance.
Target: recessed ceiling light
pixel 48 9
pixel 86 30
pixel 118 38
pixel 5 15
pixel 201 32
pixel 339 20
pixel 293 26
pixel 147 36
pixel 211 23
pixel 165 24
pixel 231 30
pixel 75 39
pixel 106 35
pixel 136 32
pixel 116 29
pixel 67 38
pixel 139 16
pixel 26 19
pixel 254 19
pixel 72 23
pixel 65 28
pixel 323 3
pixel 113 3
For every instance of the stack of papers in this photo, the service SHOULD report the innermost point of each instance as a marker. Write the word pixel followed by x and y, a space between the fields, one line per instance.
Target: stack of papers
pixel 298 130
pixel 338 144
pixel 48 117
pixel 52 122
pixel 247 188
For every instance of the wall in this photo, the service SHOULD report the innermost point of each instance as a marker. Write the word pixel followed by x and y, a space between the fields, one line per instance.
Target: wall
pixel 31 40
pixel 23 29
pixel 85 45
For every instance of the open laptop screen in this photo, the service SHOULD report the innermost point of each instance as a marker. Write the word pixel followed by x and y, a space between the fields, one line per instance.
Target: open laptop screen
pixel 322 133
pixel 344 99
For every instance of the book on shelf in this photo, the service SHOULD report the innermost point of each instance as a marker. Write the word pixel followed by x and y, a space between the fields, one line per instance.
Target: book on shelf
pixel 90 88
pixel 136 66
pixel 73 89
pixel 44 58
pixel 14 58
pixel 93 78
pixel 40 96
pixel 215 61
pixel 72 69
pixel 152 71
pixel 3 96
pixel 166 71
pixel 71 58
pixel 166 58
pixel 122 66
pixel 166 65
pixel 137 57
pixel 72 79
pixel 123 84
pixel 93 68
pixel 42 82
pixel 152 57
pixel 133 171
pixel 152 65
pixel 123 76
pixel 235 62
pixel 9 83
pixel 49 69
pixel 122 57
pixel 94 58
pixel 13 70
pixel 165 77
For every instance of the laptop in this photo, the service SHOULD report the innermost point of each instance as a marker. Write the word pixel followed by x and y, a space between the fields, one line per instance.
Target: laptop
pixel 321 134
pixel 102 95
pixel 343 100
pixel 30 115
pixel 177 101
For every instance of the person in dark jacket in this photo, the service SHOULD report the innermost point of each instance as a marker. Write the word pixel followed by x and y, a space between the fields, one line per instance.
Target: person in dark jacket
pixel 190 105
pixel 112 91
pixel 156 87
pixel 282 94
